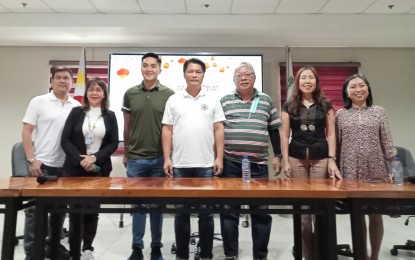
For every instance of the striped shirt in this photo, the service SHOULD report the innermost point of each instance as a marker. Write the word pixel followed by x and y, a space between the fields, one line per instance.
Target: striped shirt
pixel 247 126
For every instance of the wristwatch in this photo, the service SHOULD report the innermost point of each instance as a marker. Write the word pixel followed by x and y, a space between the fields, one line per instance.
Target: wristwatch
pixel 30 161
pixel 332 157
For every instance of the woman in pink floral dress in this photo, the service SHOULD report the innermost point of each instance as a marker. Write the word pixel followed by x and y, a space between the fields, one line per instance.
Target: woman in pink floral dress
pixel 364 144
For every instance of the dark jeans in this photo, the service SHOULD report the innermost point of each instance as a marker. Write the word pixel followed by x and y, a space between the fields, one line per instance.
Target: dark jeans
pixel 261 223
pixel 55 219
pixel 182 221
pixel 146 167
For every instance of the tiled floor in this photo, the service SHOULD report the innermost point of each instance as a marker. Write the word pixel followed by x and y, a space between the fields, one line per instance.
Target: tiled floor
pixel 114 243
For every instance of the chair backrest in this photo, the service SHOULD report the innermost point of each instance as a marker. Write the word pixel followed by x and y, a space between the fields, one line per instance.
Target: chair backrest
pixel 407 161
pixel 19 164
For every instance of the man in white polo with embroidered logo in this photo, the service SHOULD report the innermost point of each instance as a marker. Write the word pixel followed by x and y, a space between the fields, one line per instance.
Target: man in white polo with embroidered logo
pixel 193 130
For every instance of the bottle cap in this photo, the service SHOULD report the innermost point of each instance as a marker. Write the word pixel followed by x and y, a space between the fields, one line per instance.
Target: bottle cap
pixel 245 157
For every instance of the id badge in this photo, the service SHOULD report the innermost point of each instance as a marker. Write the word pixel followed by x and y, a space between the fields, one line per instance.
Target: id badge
pixel 89 138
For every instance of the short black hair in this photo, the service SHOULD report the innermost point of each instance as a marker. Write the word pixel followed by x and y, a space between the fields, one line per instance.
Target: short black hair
pixel 347 101
pixel 54 70
pixel 195 61
pixel 152 55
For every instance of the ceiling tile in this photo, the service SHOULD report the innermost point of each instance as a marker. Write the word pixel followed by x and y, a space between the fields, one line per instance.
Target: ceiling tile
pixel 116 6
pixel 72 6
pixel 208 6
pixel 33 6
pixel 349 6
pixel 300 6
pixel 162 6
pixel 399 7
pixel 254 7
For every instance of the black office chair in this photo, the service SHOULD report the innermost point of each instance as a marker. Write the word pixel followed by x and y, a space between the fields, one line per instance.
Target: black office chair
pixel 216 236
pixel 19 169
pixel 19 165
pixel 193 241
pixel 408 166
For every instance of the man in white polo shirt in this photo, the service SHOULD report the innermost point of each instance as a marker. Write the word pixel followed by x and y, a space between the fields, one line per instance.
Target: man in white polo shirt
pixel 193 130
pixel 46 116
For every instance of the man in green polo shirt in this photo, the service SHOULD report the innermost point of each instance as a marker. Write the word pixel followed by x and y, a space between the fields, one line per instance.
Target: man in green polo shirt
pixel 143 108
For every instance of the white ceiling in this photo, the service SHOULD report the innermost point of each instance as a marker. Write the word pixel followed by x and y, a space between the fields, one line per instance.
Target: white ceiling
pixel 208 23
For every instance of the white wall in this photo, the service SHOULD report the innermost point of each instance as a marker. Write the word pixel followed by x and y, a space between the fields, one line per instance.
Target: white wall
pixel 24 73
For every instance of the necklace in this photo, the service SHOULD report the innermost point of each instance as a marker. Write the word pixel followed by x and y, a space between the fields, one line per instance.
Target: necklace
pixel 307 103
pixel 89 138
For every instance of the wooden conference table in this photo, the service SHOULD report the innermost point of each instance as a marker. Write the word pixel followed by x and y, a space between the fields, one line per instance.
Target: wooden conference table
pixel 374 198
pixel 320 194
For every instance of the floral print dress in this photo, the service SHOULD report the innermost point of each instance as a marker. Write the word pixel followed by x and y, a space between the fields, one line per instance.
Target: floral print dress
pixel 364 143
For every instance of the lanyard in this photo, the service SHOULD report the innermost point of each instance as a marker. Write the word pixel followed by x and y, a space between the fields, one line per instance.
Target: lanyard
pixel 92 127
pixel 254 105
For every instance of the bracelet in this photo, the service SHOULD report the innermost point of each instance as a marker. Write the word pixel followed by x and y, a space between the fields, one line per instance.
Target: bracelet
pixel 95 158
pixel 332 157
pixel 278 155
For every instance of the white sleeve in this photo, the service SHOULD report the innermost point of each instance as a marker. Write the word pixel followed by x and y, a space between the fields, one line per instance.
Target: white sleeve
pixel 168 116
pixel 32 114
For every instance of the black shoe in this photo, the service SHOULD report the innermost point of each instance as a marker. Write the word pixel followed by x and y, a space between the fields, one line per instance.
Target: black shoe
pixel 156 253
pixel 137 254
pixel 63 253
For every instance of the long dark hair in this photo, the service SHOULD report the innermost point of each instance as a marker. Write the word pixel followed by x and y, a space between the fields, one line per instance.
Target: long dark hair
pixel 347 101
pixel 296 99
pixel 105 102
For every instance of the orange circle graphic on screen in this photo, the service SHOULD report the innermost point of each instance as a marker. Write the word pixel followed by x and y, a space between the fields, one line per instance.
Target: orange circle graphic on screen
pixel 123 72
pixel 222 69
pixel 214 65
pixel 207 65
pixel 166 65
pixel 181 60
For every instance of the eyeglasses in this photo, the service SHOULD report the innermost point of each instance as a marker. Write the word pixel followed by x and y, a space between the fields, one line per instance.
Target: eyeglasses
pixel 246 75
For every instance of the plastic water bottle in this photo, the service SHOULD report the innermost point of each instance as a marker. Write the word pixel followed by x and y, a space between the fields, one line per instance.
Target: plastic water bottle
pixel 246 169
pixel 397 172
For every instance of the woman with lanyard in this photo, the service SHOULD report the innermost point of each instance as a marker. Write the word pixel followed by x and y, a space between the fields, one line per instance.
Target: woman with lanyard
pixel 89 138
pixel 309 116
